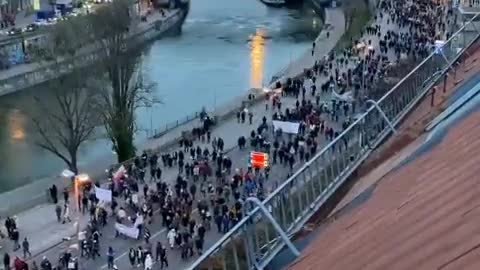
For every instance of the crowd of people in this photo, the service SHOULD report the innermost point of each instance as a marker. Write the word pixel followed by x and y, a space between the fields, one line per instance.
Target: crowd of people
pixel 209 187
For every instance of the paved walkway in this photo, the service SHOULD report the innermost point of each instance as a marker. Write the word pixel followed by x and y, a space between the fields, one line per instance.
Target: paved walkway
pixel 335 25
pixel 229 130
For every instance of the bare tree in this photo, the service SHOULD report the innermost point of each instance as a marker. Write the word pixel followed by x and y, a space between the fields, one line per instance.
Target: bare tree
pixel 125 89
pixel 118 73
pixel 69 121
pixel 67 118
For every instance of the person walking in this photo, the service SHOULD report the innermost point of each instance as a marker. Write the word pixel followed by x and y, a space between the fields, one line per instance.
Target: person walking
pixel 140 256
pixel 26 248
pixel 66 214
pixel 171 237
pixel 148 262
pixel 158 248
pixel 15 238
pixel 132 257
pixel 65 195
pixel 110 258
pixel 6 261
pixel 163 257
pixel 53 194
pixel 58 212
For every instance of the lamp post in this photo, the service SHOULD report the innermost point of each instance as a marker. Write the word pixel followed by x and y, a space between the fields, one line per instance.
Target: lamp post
pixel 78 180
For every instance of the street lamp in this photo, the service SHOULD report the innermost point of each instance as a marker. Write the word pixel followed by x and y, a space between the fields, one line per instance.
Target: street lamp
pixel 78 180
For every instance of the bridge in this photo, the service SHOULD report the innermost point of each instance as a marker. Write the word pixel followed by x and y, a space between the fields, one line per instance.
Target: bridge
pixel 265 229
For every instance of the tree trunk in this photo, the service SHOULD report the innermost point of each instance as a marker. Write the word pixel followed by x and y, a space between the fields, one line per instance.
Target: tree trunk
pixel 125 148
pixel 73 166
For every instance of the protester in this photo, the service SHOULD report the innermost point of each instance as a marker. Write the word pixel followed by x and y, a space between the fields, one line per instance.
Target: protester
pixel 26 248
pixel 58 212
pixel 45 264
pixel 53 194
pixel 209 186
pixel 148 262
pixel 6 261
pixel 66 213
pixel 110 258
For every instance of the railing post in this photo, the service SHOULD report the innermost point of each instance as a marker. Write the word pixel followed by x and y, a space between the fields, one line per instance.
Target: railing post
pixel 445 79
pixel 248 247
pixel 277 227
pixel 235 257
pixel 432 100
pixel 454 72
pixel 375 104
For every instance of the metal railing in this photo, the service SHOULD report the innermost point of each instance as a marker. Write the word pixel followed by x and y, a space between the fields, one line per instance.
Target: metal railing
pixel 156 133
pixel 252 243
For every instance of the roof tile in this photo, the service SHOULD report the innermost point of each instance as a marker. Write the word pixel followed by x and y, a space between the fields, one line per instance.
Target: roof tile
pixel 424 215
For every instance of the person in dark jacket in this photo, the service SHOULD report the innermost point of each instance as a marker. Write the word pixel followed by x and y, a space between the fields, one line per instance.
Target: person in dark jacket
pixel 132 257
pixel 45 264
pixel 6 261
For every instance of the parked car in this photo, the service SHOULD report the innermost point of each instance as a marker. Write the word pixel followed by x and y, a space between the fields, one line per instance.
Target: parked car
pixel 14 31
pixel 30 28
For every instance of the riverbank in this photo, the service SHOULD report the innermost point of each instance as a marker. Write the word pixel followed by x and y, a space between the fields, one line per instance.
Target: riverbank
pixel 25 197
pixel 228 128
pixel 25 76
pixel 334 24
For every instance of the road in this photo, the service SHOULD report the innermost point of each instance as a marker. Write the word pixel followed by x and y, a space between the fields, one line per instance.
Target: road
pixel 240 159
pixel 229 130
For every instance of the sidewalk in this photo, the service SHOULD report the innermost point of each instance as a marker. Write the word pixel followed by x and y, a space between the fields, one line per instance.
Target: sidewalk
pixel 40 226
pixel 228 129
pixel 335 25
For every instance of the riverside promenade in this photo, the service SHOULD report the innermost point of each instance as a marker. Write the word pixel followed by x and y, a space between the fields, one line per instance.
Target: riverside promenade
pixel 46 236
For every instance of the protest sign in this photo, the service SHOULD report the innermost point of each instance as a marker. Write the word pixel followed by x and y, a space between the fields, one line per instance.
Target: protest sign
pixel 287 127
pixel 131 232
pixel 103 194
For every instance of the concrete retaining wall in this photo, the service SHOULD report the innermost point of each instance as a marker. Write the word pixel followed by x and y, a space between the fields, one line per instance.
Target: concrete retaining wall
pixel 29 75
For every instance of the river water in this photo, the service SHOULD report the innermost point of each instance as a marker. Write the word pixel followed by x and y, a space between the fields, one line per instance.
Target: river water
pixel 226 47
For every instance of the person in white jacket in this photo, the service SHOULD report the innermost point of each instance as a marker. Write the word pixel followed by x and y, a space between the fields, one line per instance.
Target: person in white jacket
pixel 66 214
pixel 171 237
pixel 148 262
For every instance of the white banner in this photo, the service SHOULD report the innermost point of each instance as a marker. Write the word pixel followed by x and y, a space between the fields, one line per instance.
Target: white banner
pixel 347 96
pixel 127 231
pixel 103 194
pixel 138 221
pixel 287 127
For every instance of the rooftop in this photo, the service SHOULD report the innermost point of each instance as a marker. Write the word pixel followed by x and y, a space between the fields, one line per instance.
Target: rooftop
pixel 420 209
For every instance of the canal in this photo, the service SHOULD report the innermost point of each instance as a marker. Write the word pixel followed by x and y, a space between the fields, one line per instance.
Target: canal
pixel 226 48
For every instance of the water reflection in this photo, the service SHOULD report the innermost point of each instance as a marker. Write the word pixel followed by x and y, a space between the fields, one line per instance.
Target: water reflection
pixel 257 58
pixel 211 56
pixel 16 123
